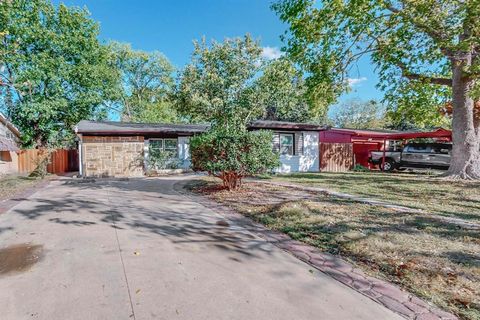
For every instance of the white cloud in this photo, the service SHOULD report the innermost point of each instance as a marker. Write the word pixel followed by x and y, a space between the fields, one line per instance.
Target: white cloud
pixel 355 81
pixel 271 53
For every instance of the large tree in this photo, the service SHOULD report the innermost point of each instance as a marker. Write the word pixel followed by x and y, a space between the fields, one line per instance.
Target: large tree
pixel 53 70
pixel 147 81
pixel 429 47
pixel 283 92
pixel 357 114
pixel 218 85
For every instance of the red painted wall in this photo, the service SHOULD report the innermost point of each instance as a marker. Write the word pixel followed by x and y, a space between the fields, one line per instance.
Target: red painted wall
pixel 361 146
pixel 362 152
pixel 335 137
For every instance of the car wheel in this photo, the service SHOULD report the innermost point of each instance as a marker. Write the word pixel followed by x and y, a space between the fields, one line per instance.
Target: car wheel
pixel 388 166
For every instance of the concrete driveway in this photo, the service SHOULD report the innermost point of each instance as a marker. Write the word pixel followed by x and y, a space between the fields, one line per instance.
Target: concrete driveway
pixel 139 250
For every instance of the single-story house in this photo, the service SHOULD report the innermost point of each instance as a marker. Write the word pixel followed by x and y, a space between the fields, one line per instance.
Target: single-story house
pixel 9 146
pixel 110 148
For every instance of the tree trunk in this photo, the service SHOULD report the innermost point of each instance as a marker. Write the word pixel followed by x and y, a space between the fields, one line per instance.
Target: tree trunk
pixel 465 161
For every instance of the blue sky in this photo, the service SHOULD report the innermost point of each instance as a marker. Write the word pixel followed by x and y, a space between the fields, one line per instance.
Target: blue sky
pixel 170 27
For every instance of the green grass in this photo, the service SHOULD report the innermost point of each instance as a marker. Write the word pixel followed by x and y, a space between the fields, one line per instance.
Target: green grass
pixel 433 259
pixel 428 192
pixel 10 185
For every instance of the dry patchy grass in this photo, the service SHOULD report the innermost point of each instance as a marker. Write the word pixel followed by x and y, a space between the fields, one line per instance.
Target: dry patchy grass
pixel 432 259
pixel 10 185
pixel 449 198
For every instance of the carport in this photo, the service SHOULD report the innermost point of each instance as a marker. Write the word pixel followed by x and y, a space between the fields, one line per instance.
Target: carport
pixel 362 142
pixel 440 134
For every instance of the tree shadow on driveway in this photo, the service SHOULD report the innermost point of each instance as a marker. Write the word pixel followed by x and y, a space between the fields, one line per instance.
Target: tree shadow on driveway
pixel 147 206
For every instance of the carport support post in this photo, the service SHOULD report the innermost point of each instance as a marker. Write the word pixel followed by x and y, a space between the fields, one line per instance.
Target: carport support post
pixel 383 157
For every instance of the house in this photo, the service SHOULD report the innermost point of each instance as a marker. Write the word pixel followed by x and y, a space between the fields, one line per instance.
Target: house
pixel 9 146
pixel 123 149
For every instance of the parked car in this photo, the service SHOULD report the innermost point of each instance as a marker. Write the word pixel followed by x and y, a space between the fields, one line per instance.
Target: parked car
pixel 415 155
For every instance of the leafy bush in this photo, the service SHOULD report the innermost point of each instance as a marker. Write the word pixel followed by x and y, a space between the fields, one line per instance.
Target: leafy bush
pixel 232 154
pixel 160 159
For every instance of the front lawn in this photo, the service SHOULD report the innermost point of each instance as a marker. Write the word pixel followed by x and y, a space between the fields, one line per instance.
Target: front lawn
pixel 430 193
pixel 10 185
pixel 435 260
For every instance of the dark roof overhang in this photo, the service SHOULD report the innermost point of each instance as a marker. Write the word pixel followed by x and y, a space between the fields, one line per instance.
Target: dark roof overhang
pixel 128 128
pixel 283 125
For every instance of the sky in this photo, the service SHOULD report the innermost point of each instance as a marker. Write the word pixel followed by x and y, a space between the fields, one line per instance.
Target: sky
pixel 170 27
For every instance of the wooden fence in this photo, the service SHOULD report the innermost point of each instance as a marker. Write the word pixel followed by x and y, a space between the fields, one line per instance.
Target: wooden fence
pixel 336 157
pixel 61 160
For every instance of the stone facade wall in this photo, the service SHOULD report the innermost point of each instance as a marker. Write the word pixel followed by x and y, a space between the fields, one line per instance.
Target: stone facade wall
pixel 106 156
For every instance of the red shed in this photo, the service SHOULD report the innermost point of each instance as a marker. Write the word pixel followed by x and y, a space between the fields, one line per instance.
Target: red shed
pixel 365 141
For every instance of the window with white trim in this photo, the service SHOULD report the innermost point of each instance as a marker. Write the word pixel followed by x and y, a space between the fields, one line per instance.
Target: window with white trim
pixel 286 143
pixel 168 144
pixel 156 144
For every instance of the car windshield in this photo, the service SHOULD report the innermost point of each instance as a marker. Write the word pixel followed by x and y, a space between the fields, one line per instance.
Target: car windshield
pixel 420 148
pixel 441 148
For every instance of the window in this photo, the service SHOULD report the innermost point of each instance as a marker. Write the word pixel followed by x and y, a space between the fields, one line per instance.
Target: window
pixel 163 154
pixel 286 144
pixel 156 144
pixel 395 145
pixel 167 145
pixel 5 156
pixel 170 145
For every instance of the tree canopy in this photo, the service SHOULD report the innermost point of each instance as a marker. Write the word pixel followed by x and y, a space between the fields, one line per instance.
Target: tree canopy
pixel 230 81
pixel 358 114
pixel 218 85
pixel 147 82
pixel 53 70
pixel 283 92
pixel 426 53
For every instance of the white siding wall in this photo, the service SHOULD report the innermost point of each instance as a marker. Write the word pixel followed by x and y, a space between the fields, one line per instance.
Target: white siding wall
pixel 184 152
pixel 309 161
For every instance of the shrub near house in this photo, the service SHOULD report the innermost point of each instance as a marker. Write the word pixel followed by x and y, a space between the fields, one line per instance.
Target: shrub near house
pixel 232 154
